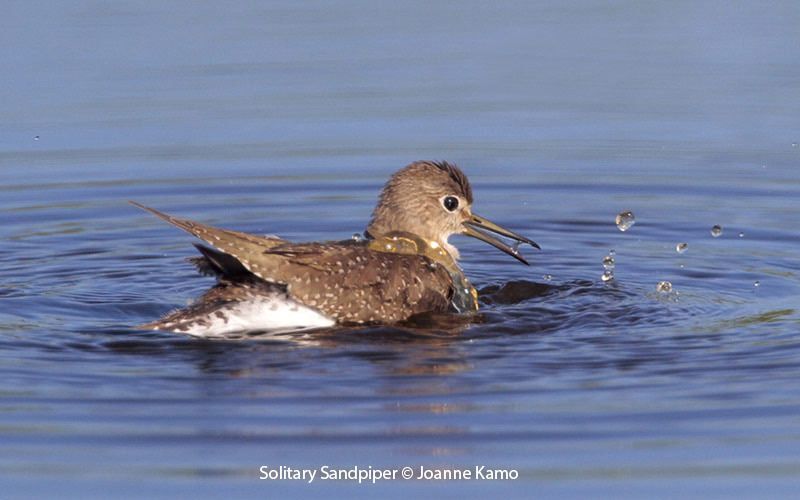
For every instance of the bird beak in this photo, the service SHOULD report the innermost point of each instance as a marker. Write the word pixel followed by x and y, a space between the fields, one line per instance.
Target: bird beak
pixel 473 226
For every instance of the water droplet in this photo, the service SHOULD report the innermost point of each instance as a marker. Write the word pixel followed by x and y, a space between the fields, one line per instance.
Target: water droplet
pixel 681 247
pixel 625 220
pixel 757 284
pixel 607 275
pixel 358 237
pixel 612 252
pixel 608 262
pixel 741 235
pixel 389 247
pixel 548 277
pixel 716 231
pixel 664 287
pixel 794 144
pixel 515 247
pixel 35 137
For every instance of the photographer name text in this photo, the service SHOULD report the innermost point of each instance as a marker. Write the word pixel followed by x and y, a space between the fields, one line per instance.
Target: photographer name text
pixel 373 475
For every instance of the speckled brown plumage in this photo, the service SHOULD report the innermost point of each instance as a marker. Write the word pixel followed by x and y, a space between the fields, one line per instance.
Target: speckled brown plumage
pixel 344 280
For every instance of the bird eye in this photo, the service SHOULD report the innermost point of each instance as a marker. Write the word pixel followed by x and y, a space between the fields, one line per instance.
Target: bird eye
pixel 450 203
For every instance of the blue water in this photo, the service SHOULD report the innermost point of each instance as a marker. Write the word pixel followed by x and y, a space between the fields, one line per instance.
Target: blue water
pixel 287 118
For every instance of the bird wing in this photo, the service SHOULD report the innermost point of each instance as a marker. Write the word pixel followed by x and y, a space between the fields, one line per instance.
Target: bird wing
pixel 346 281
pixel 242 246
pixel 356 284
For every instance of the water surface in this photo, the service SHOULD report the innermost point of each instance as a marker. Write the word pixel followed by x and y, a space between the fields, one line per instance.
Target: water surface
pixel 287 118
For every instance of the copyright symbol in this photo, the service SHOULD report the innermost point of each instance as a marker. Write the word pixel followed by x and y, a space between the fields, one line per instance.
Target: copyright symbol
pixel 407 473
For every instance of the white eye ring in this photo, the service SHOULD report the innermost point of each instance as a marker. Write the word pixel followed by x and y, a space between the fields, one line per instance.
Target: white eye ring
pixel 450 202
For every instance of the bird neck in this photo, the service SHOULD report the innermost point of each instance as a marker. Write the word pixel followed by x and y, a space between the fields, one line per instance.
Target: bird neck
pixel 408 243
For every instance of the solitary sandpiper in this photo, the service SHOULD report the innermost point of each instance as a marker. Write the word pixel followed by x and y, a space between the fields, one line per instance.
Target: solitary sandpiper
pixel 402 267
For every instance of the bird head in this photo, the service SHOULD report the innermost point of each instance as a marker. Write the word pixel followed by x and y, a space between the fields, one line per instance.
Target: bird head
pixel 433 200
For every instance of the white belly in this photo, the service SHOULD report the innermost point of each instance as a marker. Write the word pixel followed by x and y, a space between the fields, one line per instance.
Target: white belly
pixel 267 314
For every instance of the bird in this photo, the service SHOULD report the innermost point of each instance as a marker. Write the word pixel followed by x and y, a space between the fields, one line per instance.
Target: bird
pixel 402 266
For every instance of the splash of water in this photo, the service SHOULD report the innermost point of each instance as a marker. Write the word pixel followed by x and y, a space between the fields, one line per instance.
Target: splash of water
pixel 625 220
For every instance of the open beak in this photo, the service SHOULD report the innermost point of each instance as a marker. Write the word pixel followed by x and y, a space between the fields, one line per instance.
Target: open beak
pixel 473 226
